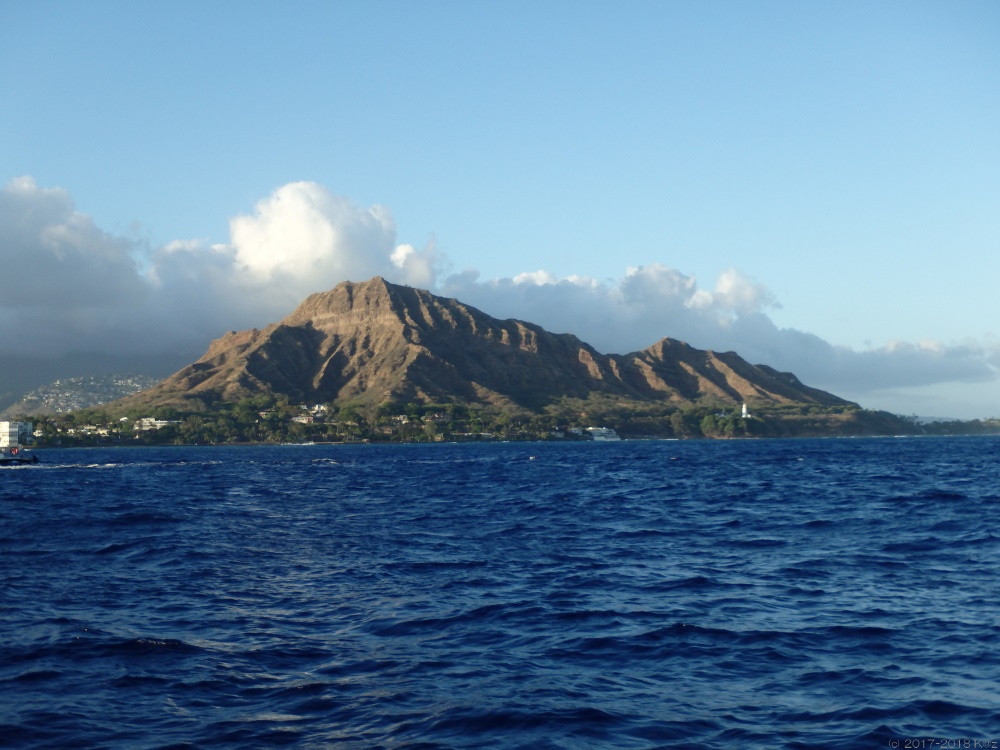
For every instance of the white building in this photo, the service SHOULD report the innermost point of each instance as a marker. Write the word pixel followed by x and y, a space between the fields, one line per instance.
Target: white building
pixel 15 433
pixel 602 433
pixel 149 423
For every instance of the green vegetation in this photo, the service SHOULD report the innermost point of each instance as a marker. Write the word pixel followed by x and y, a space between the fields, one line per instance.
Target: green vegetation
pixel 267 419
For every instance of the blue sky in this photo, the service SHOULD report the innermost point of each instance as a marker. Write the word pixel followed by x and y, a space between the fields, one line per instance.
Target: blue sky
pixel 816 185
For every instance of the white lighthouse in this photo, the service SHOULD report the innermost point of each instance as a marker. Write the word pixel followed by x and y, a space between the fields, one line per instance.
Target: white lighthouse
pixel 746 412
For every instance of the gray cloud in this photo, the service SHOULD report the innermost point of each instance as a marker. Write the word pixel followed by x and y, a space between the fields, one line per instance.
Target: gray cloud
pixel 62 279
pixel 651 302
pixel 66 285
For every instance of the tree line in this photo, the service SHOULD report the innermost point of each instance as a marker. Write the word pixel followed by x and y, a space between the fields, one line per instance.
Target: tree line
pixel 272 419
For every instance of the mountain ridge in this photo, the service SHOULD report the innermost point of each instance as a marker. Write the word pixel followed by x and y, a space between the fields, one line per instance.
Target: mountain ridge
pixel 375 341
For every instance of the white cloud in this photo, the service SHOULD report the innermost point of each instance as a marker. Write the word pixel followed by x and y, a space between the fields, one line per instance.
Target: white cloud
pixel 648 303
pixel 415 267
pixel 738 294
pixel 303 231
pixel 303 238
pixel 538 278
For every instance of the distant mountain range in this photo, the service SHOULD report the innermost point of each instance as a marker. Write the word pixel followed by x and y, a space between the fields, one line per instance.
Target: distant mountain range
pixel 373 342
pixel 21 374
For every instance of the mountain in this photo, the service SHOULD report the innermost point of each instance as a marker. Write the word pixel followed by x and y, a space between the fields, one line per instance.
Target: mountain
pixel 374 342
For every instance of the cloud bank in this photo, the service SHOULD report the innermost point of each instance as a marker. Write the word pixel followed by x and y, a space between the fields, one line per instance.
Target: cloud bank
pixel 654 301
pixel 66 285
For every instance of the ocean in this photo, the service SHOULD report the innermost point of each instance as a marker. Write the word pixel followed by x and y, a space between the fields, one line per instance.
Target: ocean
pixel 828 593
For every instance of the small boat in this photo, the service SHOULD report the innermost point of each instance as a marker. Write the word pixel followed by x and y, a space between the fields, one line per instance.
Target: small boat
pixel 13 435
pixel 15 454
pixel 603 434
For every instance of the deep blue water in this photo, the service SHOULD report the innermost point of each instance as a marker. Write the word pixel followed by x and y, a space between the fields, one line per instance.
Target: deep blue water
pixel 703 594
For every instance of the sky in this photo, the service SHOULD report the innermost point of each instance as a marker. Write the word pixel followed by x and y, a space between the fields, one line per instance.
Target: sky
pixel 813 185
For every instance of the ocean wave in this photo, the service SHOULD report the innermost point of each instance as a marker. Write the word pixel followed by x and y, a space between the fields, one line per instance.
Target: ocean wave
pixel 468 596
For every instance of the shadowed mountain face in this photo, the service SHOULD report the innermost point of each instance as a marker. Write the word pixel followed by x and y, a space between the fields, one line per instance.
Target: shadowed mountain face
pixel 375 341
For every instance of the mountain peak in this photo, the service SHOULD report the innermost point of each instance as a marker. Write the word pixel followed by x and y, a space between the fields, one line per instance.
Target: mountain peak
pixel 345 298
